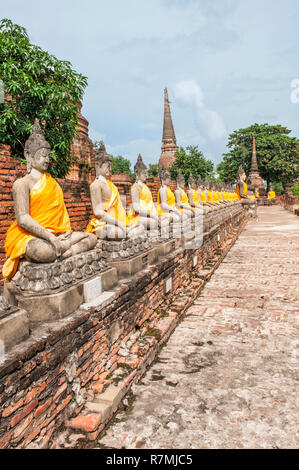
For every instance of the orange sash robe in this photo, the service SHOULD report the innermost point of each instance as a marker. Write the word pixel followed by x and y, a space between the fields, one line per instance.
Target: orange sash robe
pixel 146 201
pixel 170 201
pixel 184 200
pixel 244 190
pixel 203 197
pixel 115 208
pixel 48 209
pixel 195 197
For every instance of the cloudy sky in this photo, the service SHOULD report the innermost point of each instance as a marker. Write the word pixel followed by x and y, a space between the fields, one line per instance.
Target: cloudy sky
pixel 226 63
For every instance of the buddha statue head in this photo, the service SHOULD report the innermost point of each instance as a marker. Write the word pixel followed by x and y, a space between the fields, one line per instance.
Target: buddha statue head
pixel 180 179
pixel 164 176
pixel 191 182
pixel 241 175
pixel 103 162
pixel 200 184
pixel 207 185
pixel 140 170
pixel 37 150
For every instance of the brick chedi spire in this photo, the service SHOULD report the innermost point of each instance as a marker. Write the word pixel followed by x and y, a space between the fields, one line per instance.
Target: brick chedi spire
pixel 169 146
pixel 254 179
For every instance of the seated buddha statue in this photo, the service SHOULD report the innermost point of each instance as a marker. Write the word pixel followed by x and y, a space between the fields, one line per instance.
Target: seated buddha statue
pixel 210 196
pixel 110 220
pixel 193 195
pixel 166 199
pixel 241 186
pixel 142 199
pixel 242 192
pixel 181 198
pixel 220 194
pixel 42 230
pixel 272 194
pixel 203 195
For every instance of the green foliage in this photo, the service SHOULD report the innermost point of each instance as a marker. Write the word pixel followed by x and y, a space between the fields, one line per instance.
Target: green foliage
pixel 40 86
pixel 192 160
pixel 122 165
pixel 153 171
pixel 278 188
pixel 277 153
pixel 295 189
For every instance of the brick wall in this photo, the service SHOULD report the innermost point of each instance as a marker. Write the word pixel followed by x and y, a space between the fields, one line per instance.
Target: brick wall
pixel 45 379
pixel 290 202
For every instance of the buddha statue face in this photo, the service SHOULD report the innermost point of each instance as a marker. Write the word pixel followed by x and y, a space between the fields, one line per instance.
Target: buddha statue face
pixel 165 177
pixel 103 167
pixel 191 182
pixel 180 181
pixel 140 170
pixel 39 161
pixel 37 150
pixel 241 175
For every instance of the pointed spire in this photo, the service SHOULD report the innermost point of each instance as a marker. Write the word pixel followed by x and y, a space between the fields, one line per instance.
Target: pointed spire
pixel 254 180
pixel 168 131
pixel 169 146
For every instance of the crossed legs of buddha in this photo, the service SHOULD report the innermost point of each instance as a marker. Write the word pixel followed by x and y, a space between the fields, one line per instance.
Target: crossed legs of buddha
pixel 71 243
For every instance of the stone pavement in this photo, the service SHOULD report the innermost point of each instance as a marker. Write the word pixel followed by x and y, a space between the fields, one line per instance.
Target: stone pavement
pixel 227 376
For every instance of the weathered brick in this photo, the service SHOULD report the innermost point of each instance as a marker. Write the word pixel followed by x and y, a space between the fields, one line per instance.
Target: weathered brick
pixel 24 412
pixel 86 423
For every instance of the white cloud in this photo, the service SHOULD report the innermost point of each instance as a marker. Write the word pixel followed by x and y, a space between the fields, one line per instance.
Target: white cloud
pixel 189 94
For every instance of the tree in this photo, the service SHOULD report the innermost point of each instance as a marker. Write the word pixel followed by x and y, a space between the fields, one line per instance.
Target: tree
pixel 192 160
pixel 37 85
pixel 277 154
pixel 153 171
pixel 120 164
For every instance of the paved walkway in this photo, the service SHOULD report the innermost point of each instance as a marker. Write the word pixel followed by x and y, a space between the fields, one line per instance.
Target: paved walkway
pixel 227 376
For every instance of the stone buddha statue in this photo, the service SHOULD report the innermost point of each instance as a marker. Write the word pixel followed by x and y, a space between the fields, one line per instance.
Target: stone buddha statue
pixel 242 193
pixel 272 195
pixel 166 199
pixel 209 196
pixel 241 186
pixel 110 220
pixel 192 193
pixel 42 230
pixel 181 198
pixel 142 199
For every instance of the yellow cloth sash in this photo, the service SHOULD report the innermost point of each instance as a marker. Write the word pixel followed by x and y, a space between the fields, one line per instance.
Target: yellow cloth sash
pixel 244 190
pixel 271 195
pixel 210 197
pixel 146 201
pixel 115 208
pixel 195 197
pixel 215 196
pixel 184 200
pixel 203 197
pixel 170 201
pixel 48 209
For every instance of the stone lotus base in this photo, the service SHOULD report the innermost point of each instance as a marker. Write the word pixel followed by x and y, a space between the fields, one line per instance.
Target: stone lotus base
pixel 54 290
pixel 124 249
pixel 165 246
pixel 61 304
pixel 14 327
pixel 128 267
